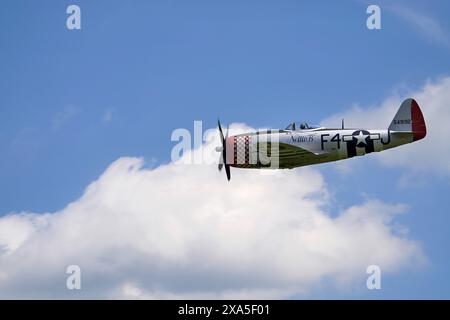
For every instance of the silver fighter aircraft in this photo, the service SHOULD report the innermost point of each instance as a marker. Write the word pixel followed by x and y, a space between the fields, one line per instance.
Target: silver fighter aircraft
pixel 301 144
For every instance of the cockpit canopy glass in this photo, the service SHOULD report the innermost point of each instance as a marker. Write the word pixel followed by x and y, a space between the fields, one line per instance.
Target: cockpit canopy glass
pixel 301 126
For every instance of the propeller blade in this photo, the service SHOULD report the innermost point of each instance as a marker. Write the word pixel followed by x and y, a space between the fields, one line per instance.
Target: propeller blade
pixel 221 133
pixel 222 161
pixel 227 170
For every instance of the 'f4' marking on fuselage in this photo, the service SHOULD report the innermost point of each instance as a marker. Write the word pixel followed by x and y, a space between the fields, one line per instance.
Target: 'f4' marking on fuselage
pixel 336 138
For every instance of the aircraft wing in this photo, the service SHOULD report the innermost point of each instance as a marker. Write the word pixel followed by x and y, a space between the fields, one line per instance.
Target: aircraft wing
pixel 291 156
pixel 289 150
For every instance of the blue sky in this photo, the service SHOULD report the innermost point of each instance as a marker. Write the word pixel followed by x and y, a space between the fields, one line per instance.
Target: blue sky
pixel 72 102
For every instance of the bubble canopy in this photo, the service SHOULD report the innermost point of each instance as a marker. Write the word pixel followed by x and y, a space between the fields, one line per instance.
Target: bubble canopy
pixel 301 126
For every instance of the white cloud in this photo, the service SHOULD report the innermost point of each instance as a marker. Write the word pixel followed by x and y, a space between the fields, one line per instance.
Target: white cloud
pixel 183 231
pixel 61 117
pixel 426 25
pixel 430 155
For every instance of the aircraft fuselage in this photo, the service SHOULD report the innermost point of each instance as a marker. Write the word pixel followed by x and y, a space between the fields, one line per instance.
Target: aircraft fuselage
pixel 295 148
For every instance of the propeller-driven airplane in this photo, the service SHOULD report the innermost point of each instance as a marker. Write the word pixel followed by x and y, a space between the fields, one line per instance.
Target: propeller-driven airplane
pixel 301 144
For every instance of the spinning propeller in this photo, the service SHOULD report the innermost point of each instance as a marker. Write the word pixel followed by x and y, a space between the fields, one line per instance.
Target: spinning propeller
pixel 223 150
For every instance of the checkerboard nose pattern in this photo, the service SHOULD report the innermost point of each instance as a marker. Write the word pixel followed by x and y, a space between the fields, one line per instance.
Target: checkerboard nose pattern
pixel 238 150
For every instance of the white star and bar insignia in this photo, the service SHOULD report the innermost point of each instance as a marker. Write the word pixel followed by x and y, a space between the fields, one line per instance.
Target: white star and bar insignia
pixel 361 137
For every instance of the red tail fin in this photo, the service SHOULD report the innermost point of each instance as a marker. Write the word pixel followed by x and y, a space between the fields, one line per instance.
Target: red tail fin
pixel 418 123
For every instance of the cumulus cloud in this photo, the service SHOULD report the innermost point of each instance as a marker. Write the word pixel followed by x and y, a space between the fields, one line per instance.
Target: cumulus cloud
pixel 431 154
pixel 183 231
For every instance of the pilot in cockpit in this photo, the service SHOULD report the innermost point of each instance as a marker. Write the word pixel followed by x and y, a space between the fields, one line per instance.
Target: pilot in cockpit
pixel 300 126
